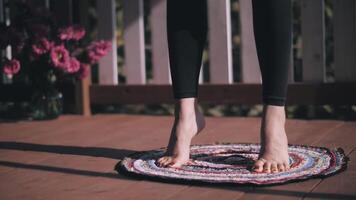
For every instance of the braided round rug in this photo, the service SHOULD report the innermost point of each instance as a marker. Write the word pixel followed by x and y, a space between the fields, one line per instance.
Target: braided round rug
pixel 231 163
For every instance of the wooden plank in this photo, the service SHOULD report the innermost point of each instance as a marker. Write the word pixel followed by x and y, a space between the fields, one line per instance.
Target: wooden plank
pixel 160 57
pixel 313 34
pixel 108 72
pixel 73 169
pixel 159 128
pixel 352 160
pixel 72 166
pixel 87 160
pixel 345 40
pixel 220 50
pixel 134 68
pixel 62 140
pixel 238 93
pixel 250 70
pixel 343 136
pixel 27 129
pixel 339 186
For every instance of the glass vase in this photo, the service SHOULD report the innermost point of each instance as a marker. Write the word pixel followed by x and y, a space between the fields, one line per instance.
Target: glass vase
pixel 46 104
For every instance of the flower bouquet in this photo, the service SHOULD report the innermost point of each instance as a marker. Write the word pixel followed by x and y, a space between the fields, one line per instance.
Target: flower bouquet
pixel 44 54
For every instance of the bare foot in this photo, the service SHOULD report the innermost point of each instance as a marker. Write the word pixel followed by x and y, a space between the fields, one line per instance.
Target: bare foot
pixel 273 155
pixel 188 122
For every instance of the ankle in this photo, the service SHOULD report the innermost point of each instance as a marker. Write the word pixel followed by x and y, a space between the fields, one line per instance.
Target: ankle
pixel 274 113
pixel 186 108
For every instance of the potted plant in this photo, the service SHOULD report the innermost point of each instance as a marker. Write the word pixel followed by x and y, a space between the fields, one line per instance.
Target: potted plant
pixel 44 54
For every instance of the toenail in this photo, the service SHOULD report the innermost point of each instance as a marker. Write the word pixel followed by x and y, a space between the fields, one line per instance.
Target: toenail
pixel 263 160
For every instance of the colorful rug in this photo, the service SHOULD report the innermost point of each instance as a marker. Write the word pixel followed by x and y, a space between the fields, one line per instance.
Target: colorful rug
pixel 231 163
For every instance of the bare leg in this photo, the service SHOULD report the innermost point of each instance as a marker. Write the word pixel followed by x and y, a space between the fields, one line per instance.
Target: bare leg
pixel 273 33
pixel 186 29
pixel 188 122
pixel 274 144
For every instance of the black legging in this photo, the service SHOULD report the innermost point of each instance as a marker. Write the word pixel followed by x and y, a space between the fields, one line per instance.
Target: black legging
pixel 187 33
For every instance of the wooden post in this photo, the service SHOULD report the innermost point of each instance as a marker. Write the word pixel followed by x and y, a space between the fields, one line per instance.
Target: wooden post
pixel 250 71
pixel 135 68
pixel 345 40
pixel 108 72
pixel 82 88
pixel 220 41
pixel 313 34
pixel 160 57
pixel 82 96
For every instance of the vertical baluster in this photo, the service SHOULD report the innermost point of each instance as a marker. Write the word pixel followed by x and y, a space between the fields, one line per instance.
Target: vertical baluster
pixel 345 40
pixel 250 71
pixel 108 72
pixel 220 41
pixel 160 57
pixel 313 34
pixel 135 67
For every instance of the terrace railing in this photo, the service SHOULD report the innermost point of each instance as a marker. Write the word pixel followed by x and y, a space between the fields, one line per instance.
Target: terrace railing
pixel 314 88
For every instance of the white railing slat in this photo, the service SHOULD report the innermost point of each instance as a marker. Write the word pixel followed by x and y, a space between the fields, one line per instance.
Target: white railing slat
pixel 108 72
pixel 345 39
pixel 313 34
pixel 160 56
pixel 135 68
pixel 220 53
pixel 250 71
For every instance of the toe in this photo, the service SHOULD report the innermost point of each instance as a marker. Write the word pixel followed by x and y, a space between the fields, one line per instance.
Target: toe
pixel 258 166
pixel 281 167
pixel 274 168
pixel 267 167
pixel 160 160
pixel 164 161
pixel 175 164
pixel 167 162
pixel 286 166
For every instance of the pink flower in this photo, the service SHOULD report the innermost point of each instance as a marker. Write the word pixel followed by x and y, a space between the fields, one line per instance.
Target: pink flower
pixel 74 65
pixel 98 49
pixel 41 47
pixel 75 32
pixel 12 67
pixel 78 32
pixel 60 57
pixel 84 70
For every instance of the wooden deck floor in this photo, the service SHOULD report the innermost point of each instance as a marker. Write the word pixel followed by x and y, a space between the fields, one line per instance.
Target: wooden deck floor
pixel 73 157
